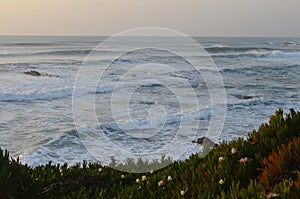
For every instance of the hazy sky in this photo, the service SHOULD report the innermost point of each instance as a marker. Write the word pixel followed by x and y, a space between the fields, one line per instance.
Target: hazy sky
pixel 192 17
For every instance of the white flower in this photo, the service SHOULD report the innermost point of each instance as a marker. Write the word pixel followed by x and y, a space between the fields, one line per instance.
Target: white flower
pixel 182 192
pixel 144 178
pixel 169 178
pixel 122 176
pixel 272 195
pixel 137 180
pixel 233 151
pixel 244 160
pixel 100 169
pixel 221 181
pixel 221 159
pixel 161 183
pixel 151 171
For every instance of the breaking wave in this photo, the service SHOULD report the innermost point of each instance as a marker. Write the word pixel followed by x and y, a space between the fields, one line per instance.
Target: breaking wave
pixel 35 95
pixel 249 52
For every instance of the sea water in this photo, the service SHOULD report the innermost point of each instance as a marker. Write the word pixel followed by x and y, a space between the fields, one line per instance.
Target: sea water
pixel 36 118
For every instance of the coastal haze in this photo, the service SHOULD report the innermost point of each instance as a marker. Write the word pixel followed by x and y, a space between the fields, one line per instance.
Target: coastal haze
pixel 269 18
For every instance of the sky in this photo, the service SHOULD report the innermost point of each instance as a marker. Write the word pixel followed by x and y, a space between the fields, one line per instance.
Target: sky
pixel 269 18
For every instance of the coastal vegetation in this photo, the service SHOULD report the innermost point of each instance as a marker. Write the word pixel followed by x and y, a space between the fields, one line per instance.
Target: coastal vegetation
pixel 266 164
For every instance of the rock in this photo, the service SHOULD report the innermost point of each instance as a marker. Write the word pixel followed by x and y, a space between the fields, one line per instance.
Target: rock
pixel 206 141
pixel 200 140
pixel 49 75
pixel 247 97
pixel 147 103
pixel 33 73
pixel 292 111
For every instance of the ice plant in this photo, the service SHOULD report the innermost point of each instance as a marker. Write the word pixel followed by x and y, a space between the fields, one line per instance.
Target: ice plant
pixel 161 183
pixel 271 171
pixel 233 151
pixel 144 178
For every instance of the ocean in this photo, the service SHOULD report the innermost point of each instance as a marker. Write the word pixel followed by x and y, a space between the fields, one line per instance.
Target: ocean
pixel 37 121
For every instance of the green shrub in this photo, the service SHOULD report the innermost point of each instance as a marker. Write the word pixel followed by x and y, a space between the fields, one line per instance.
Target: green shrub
pixel 264 165
pixel 15 179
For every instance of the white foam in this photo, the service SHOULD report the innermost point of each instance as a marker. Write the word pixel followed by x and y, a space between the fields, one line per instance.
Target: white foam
pixel 218 46
pixel 280 54
pixel 205 113
pixel 68 149
pixel 21 87
pixel 173 120
pixel 259 53
pixel 250 53
pixel 33 95
pixel 106 89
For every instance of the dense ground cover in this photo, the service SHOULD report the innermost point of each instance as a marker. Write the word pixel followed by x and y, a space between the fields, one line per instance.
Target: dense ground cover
pixel 265 165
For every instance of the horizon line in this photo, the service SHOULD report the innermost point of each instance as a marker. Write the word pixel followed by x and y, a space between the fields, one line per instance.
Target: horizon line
pixel 193 36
